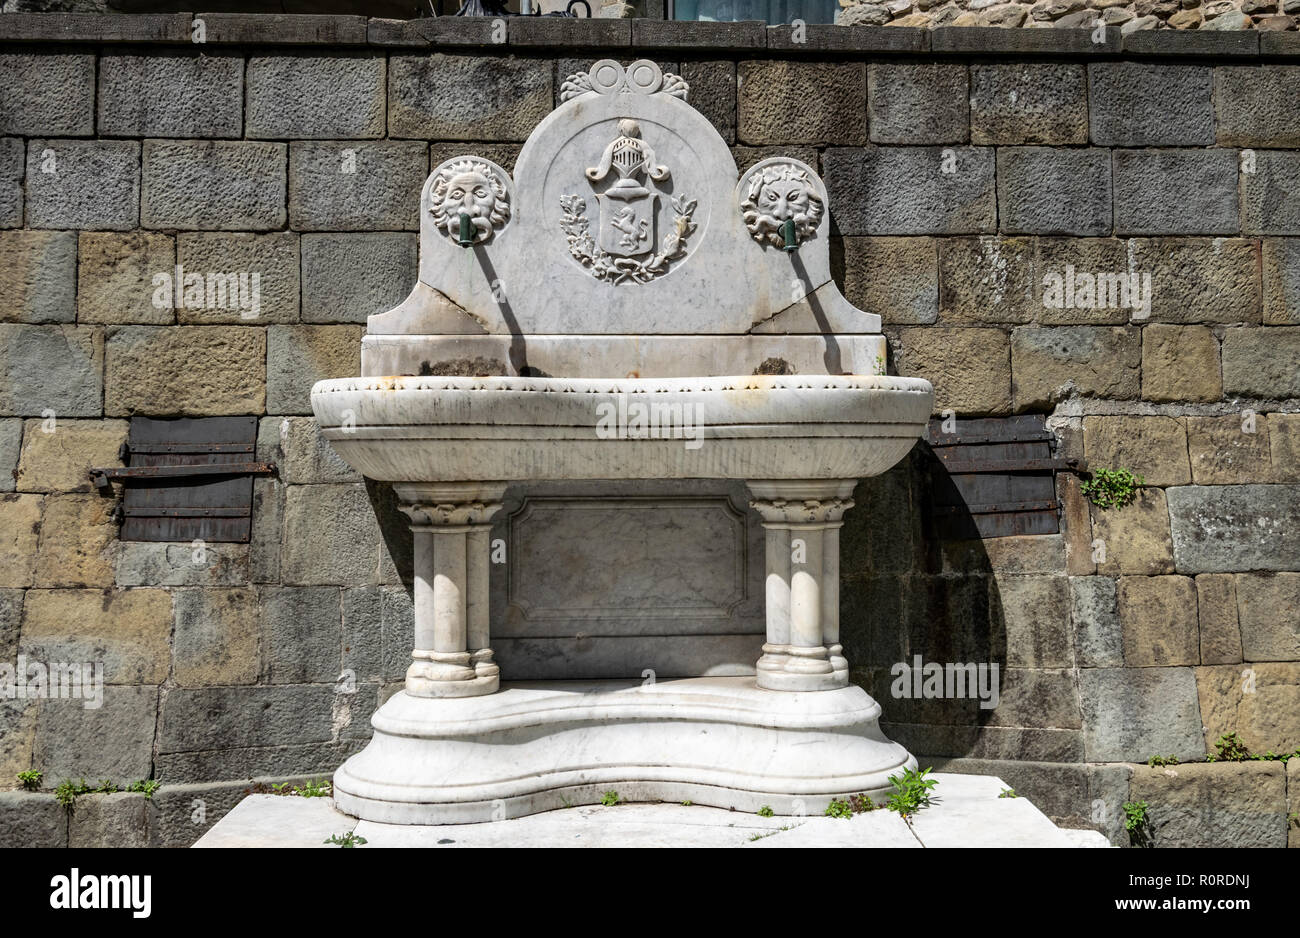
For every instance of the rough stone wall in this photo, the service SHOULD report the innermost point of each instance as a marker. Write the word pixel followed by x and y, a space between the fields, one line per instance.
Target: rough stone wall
pixel 959 180
pixel 1130 15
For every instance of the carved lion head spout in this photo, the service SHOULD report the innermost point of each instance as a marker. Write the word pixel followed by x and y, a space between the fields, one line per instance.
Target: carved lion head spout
pixel 469 187
pixel 779 192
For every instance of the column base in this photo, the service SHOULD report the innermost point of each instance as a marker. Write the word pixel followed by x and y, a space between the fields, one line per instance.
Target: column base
pixel 450 675
pixel 796 681
pixel 484 666
pixel 474 687
pixel 800 668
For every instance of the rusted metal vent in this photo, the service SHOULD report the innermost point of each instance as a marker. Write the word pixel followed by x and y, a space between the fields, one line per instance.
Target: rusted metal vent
pixel 994 477
pixel 187 479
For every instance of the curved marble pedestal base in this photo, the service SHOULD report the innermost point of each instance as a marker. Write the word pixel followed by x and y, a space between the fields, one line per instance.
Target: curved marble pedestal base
pixel 544 745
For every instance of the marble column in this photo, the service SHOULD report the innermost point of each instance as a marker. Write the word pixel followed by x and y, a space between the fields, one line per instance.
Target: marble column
pixel 802 521
pixel 451 528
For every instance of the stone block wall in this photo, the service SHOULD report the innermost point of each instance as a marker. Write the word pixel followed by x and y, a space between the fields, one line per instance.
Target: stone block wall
pixel 963 177
pixel 1129 15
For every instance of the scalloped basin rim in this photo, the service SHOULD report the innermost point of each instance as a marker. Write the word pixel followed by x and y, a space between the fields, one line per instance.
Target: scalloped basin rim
pixel 626 385
pixel 572 402
pixel 508 429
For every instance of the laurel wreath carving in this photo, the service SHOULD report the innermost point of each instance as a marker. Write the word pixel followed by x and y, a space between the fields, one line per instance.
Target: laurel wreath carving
pixel 605 266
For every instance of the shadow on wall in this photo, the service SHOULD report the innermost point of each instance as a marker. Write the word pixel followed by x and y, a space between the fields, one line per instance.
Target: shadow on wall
pixel 395 529
pixel 907 592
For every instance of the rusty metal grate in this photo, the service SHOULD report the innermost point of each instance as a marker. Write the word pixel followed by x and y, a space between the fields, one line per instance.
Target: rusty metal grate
pixel 188 478
pixel 994 477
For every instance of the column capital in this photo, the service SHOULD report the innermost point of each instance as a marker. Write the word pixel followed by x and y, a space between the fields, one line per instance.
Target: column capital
pixel 450 503
pixel 813 501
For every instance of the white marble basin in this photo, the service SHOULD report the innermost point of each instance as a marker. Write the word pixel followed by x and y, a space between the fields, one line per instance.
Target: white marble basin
pixel 508 429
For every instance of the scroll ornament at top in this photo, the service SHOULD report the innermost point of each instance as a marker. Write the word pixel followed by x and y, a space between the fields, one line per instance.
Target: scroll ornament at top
pixel 609 77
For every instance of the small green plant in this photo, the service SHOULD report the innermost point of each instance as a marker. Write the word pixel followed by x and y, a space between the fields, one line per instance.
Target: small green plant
pixel 880 365
pixel 68 792
pixel 1157 761
pixel 1294 818
pixel 1135 822
pixel 31 780
pixel 1269 756
pixel 766 811
pixel 1229 748
pixel 839 809
pixel 346 840
pixel 687 803
pixel 316 788
pixel 1111 488
pixel 861 804
pixel 1272 756
pixel 1008 793
pixel 609 799
pixel 911 791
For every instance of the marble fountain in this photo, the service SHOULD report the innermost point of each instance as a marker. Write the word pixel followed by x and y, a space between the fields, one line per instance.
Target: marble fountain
pixel 624 409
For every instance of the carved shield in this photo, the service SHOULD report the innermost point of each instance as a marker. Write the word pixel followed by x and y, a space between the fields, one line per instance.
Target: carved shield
pixel 627 224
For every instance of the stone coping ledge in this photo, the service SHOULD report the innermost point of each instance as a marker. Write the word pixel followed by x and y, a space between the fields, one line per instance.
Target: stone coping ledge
pixel 992 40
pixel 95 27
pixel 448 32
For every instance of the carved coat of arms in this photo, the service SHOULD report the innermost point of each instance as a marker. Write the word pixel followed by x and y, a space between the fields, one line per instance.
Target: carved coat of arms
pixel 628 207
pixel 627 245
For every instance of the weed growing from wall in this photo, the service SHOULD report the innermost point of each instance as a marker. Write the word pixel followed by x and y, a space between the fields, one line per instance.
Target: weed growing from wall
pixel 1111 488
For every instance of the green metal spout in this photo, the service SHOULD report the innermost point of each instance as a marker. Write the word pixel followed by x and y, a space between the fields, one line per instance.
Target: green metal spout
pixel 466 238
pixel 788 232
